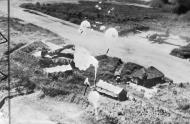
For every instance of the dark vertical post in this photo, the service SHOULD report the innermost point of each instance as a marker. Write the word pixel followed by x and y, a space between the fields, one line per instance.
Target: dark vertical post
pixel 9 100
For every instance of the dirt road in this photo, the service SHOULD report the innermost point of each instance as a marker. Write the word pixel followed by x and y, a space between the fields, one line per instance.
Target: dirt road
pixel 132 48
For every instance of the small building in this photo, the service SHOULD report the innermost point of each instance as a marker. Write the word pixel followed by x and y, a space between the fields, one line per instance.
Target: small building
pixel 111 91
pixel 148 77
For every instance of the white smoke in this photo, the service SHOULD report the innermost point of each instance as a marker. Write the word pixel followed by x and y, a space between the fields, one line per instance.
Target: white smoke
pixel 83 59
pixel 94 98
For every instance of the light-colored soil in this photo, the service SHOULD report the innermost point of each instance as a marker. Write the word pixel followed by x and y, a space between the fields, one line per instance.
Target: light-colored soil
pixel 30 109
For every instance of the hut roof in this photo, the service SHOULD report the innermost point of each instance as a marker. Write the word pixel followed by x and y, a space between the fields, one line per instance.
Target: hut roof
pixel 139 73
pixel 109 87
pixel 34 46
pixel 151 72
pixel 130 67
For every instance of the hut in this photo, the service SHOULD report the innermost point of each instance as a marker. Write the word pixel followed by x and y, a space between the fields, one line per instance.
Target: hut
pixel 110 90
pixel 148 77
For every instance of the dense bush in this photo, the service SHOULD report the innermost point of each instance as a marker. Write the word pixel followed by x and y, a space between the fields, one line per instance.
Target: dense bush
pixel 75 20
pixel 64 84
pixel 34 46
pixel 182 52
pixel 176 6
pixel 49 91
pixel 14 47
pixel 110 120
pixel 158 3
pixel 186 16
pixel 134 1
pixel 24 76
pixel 76 13
pixel 184 4
pixel 181 6
pixel 24 58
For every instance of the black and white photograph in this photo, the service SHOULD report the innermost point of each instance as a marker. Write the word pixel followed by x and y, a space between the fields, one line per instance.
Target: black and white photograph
pixel 94 61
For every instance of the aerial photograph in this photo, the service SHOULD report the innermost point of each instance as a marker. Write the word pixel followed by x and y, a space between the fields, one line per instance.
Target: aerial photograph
pixel 94 61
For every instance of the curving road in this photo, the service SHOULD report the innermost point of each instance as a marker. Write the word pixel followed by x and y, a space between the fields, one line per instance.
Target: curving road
pixel 132 48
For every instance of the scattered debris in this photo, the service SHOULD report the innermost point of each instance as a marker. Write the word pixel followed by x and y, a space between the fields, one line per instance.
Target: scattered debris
pixel 62 68
pixel 111 10
pixel 148 93
pixel 102 28
pixel 98 7
pixel 100 2
pixel 93 25
pixel 156 37
pixel 97 22
pixel 118 71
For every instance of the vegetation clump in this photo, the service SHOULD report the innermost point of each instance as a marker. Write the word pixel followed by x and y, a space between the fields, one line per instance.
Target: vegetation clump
pixel 175 6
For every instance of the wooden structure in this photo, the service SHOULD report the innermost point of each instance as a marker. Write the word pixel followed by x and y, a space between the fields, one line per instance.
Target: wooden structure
pixel 148 77
pixel 111 90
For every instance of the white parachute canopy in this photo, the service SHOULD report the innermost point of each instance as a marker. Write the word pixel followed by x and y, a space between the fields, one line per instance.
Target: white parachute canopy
pixel 84 26
pixel 111 33
pixel 83 59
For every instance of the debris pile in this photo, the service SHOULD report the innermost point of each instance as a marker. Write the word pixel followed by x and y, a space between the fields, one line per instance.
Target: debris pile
pixel 160 38
pixel 182 52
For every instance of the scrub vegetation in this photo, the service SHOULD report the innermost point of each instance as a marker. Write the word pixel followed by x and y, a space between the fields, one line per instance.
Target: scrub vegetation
pixel 126 18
